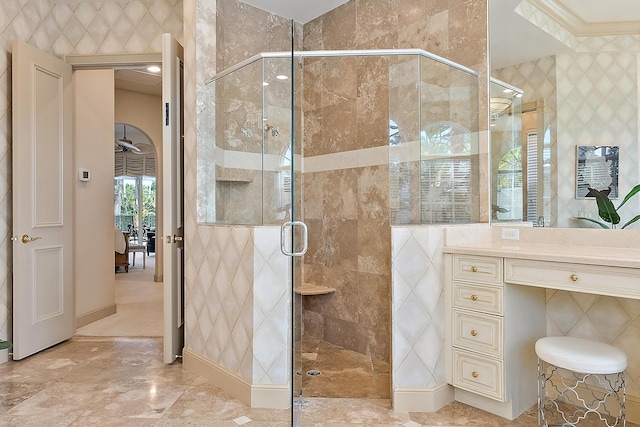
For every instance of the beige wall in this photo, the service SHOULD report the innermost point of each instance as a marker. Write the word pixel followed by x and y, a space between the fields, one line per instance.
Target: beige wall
pixel 94 237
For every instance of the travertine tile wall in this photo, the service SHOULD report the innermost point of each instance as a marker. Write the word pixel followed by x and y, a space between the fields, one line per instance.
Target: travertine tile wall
pixel 68 27
pixel 346 107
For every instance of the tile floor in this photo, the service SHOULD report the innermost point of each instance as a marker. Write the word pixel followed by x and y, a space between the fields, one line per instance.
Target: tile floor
pixel 113 380
pixel 123 382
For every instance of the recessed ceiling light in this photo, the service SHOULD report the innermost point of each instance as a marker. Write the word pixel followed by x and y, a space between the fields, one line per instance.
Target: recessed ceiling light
pixel 282 77
pixel 153 69
pixel 265 83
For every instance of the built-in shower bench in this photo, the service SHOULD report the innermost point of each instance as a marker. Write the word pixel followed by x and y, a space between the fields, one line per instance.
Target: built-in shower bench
pixel 312 289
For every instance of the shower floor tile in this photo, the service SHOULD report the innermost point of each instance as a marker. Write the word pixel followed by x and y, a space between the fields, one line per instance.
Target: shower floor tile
pixel 343 373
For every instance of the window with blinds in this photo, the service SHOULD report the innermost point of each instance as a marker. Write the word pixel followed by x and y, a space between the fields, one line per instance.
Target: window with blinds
pixel 532 177
pixel 445 191
pixel 436 186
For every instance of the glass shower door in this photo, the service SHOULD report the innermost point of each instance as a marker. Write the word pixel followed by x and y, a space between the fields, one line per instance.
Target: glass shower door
pixel 298 236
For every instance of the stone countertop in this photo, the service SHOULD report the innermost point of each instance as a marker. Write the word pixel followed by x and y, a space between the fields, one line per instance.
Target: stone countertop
pixel 592 255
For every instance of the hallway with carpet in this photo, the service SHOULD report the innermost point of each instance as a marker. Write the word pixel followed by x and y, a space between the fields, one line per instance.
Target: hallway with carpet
pixel 138 305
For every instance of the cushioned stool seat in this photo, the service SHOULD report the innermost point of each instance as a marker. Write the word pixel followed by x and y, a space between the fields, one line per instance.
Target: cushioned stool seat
pixel 596 363
pixel 581 355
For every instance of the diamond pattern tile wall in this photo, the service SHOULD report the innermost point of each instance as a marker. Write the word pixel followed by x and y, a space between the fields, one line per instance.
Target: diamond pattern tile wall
pixel 597 105
pixel 115 26
pixel 417 307
pixel 219 313
pixel 271 309
pixel 612 320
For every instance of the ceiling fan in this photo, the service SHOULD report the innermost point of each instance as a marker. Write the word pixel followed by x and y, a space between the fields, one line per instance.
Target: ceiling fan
pixel 124 144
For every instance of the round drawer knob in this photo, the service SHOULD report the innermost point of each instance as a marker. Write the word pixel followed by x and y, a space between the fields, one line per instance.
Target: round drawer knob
pixel 474 332
pixel 474 374
pixel 574 278
pixel 474 297
pixel 474 268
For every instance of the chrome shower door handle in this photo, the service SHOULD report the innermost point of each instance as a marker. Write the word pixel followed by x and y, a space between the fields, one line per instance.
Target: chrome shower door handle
pixel 283 238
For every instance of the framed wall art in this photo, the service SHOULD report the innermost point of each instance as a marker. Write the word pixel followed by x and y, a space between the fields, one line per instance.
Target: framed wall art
pixel 597 168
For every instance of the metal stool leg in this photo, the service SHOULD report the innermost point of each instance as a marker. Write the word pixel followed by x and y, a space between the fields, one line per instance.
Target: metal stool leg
pixel 579 390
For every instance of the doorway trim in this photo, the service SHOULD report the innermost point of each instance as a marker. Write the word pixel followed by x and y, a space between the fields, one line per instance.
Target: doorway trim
pixel 113 62
pixel 119 61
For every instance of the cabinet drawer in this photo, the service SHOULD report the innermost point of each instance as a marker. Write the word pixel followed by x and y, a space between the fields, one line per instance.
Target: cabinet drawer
pixel 478 374
pixel 478 297
pixel 601 280
pixel 477 269
pixel 478 332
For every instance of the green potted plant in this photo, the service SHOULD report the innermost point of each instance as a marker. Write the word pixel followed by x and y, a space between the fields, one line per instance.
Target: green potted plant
pixel 606 209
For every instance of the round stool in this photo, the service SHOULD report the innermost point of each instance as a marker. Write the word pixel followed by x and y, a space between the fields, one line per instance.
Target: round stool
pixel 580 380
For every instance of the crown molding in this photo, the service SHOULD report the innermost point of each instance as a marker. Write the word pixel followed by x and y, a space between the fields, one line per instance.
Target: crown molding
pixel 569 20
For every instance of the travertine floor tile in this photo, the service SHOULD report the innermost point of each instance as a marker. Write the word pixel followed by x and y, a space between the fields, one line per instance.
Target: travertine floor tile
pixel 123 382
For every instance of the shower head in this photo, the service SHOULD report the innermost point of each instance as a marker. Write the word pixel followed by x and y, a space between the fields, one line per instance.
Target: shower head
pixel 274 131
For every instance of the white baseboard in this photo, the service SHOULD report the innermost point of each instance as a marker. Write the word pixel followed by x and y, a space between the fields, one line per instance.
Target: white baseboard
pixel 502 409
pixel 422 399
pixel 256 396
pixel 274 396
pixel 94 315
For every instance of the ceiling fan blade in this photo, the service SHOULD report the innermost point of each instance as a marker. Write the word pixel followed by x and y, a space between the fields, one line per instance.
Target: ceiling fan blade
pixel 127 146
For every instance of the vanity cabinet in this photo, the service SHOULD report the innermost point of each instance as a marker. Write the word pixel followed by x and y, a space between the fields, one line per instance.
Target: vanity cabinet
pixel 492 330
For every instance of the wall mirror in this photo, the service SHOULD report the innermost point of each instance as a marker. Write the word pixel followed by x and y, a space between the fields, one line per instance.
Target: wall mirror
pixel 575 64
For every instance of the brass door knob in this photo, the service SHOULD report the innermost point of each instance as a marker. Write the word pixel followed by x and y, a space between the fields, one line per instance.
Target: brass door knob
pixel 474 374
pixel 474 269
pixel 27 239
pixel 474 332
pixel 574 278
pixel 474 297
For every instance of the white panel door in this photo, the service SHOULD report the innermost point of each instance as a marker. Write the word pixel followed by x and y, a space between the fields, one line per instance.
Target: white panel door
pixel 173 200
pixel 43 312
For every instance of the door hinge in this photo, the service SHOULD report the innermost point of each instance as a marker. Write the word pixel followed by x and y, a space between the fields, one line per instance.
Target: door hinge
pixel 166 114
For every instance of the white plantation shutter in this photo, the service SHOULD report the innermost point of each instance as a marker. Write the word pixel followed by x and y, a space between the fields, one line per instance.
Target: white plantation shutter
pixel 532 177
pixel 129 164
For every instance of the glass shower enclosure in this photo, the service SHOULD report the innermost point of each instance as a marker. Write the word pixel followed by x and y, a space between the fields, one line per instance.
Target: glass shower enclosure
pixel 509 158
pixel 278 124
